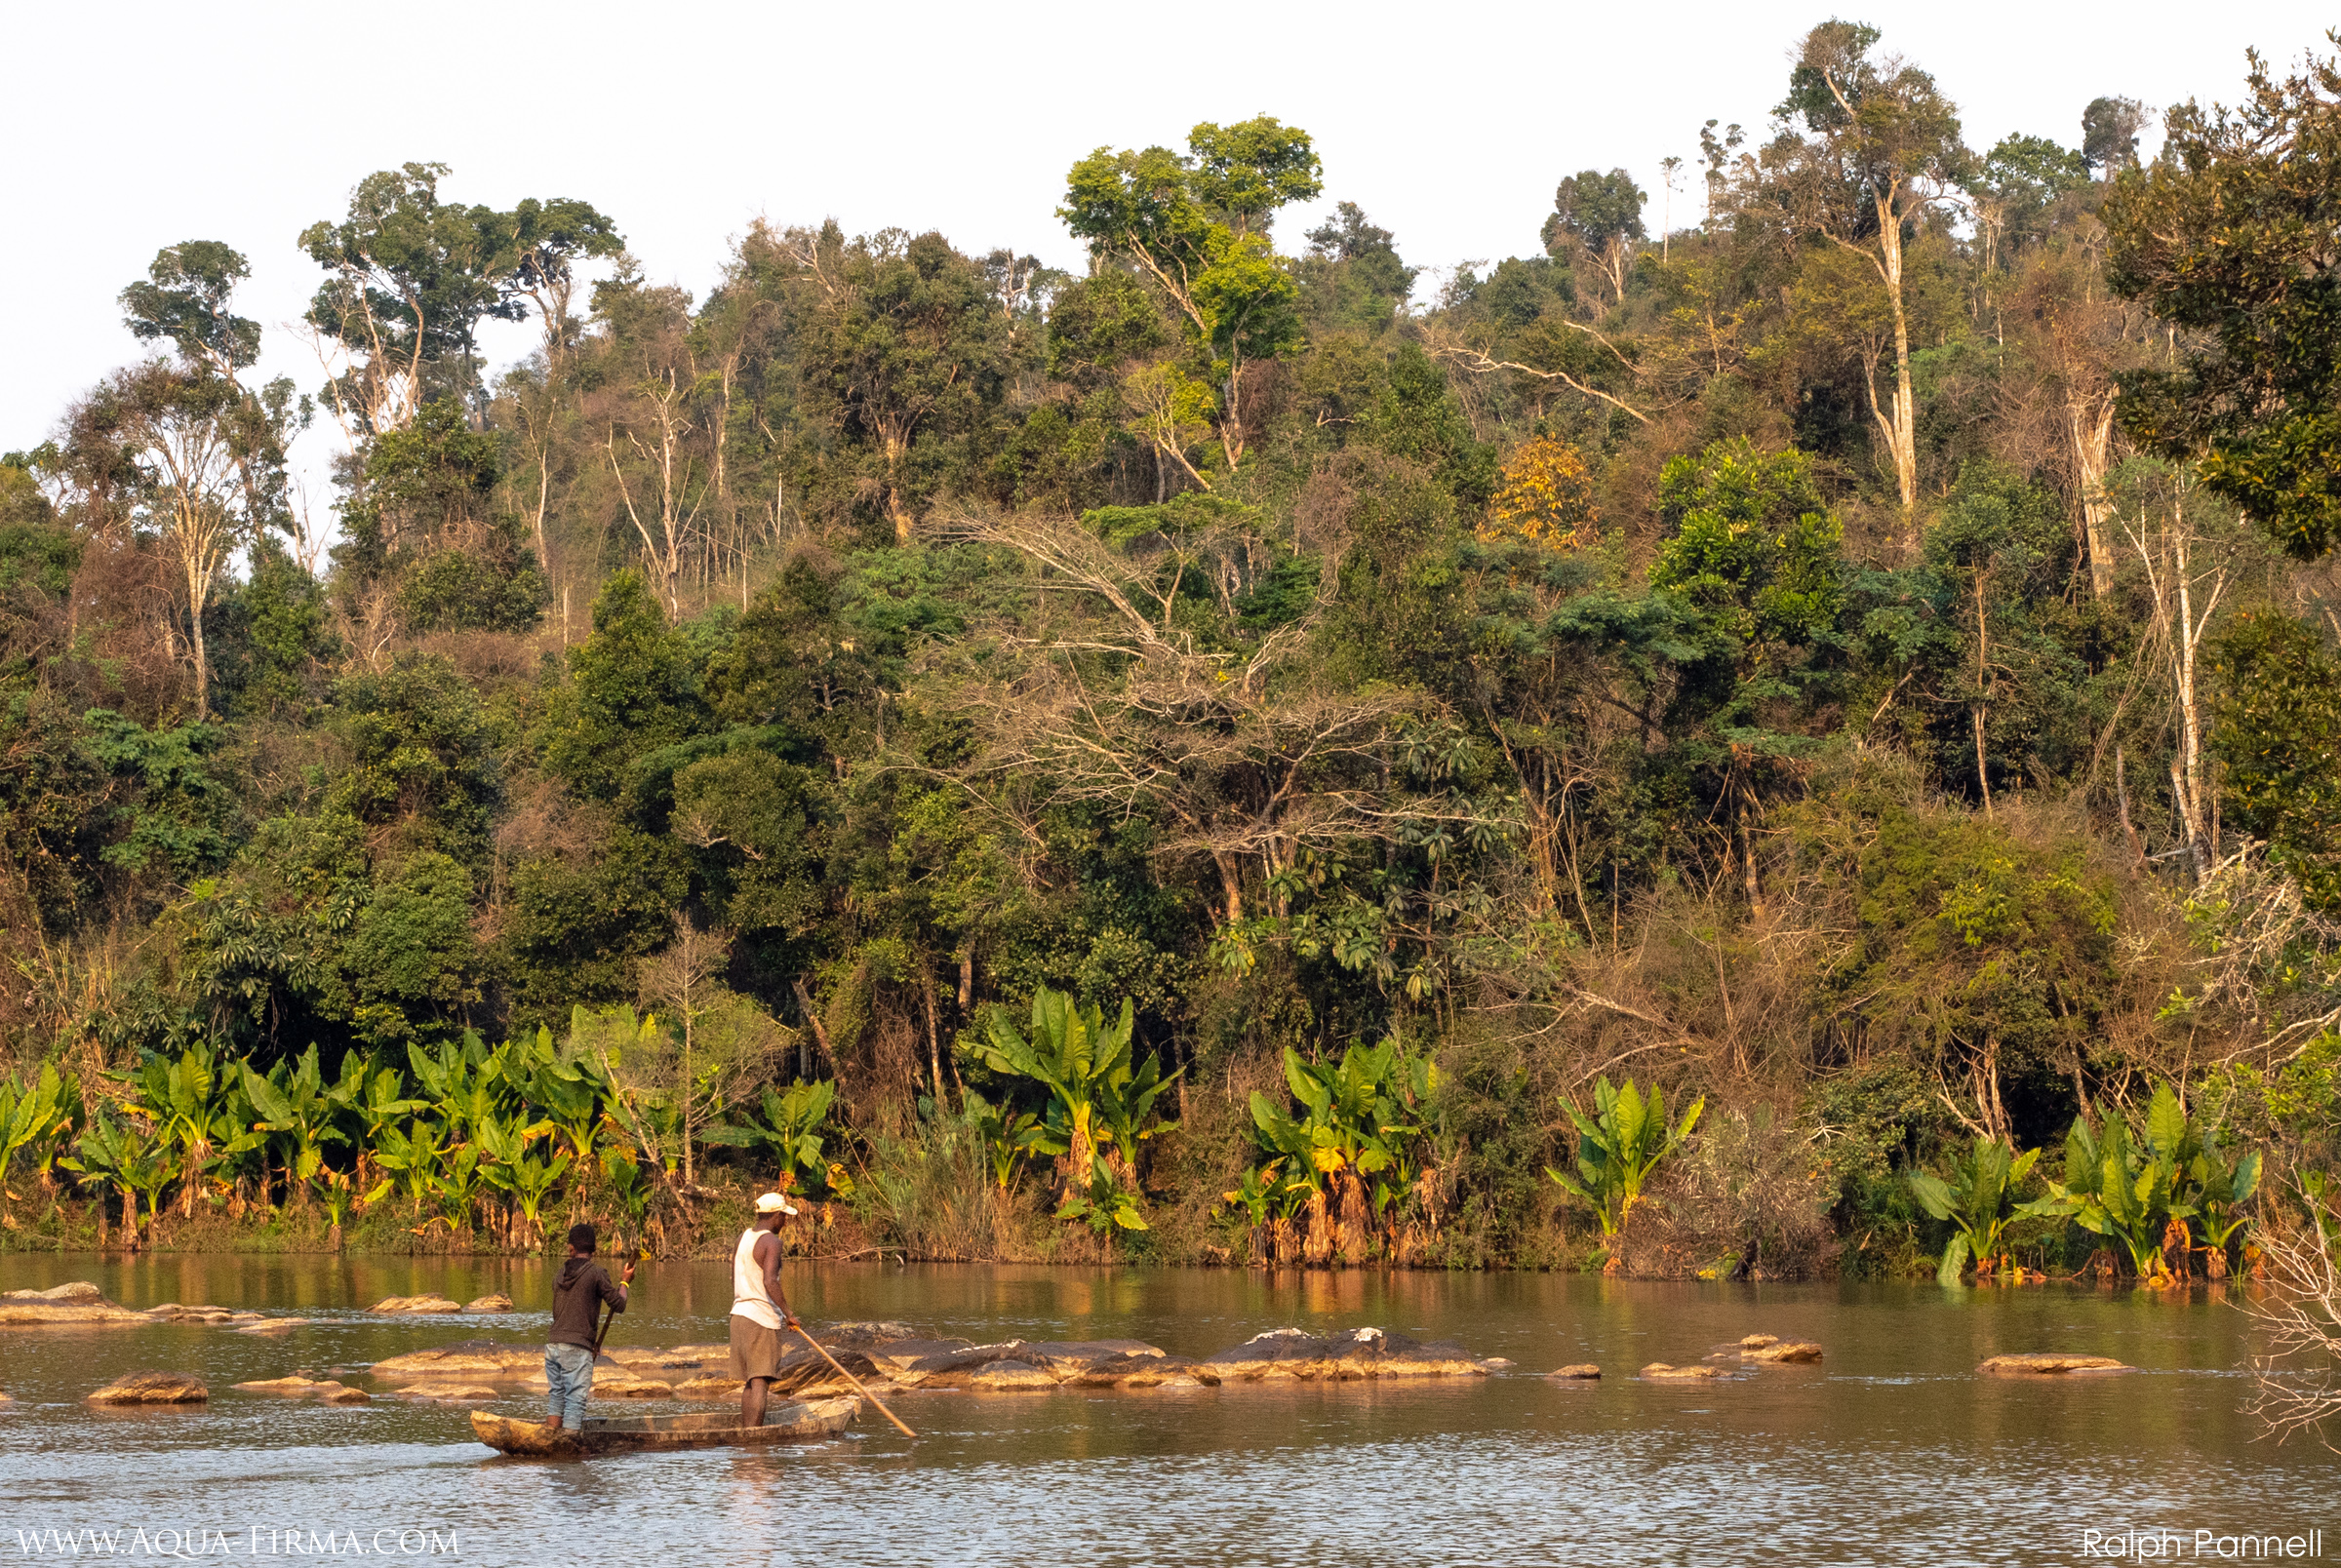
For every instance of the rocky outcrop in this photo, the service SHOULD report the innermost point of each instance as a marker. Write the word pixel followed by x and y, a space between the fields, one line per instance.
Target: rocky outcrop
pixel 1010 1377
pixel 1581 1372
pixel 1660 1372
pixel 428 1304
pixel 79 1302
pixel 172 1312
pixel 623 1387
pixel 710 1388
pixel 272 1326
pixel 151 1389
pixel 1359 1353
pixel 682 1358
pixel 495 1302
pixel 867 1336
pixel 473 1358
pixel 446 1393
pixel 803 1375
pixel 901 1354
pixel 2047 1363
pixel 300 1387
pixel 1151 1370
pixel 1758 1342
pixel 1783 1351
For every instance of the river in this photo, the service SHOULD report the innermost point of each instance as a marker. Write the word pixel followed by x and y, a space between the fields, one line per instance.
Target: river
pixel 1891 1451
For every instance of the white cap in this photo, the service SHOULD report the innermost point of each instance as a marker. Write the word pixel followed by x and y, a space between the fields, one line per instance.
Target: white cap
pixel 774 1203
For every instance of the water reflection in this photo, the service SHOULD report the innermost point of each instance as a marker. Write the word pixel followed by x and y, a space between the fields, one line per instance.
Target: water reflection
pixel 1891 1450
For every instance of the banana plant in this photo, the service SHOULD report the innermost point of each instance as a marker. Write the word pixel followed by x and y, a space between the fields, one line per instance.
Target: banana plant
pixel 512 1169
pixel 456 1184
pixel 567 1094
pixel 1355 1115
pixel 134 1162
pixel 2126 1190
pixel 411 1154
pixel 1102 1201
pixel 2222 1189
pixel 33 1118
pixel 341 1195
pixel 294 1100
pixel 1617 1148
pixel 1978 1198
pixel 621 1171
pixel 1085 1064
pixel 179 1096
pixel 1255 1194
pixel 1010 1137
pixel 790 1133
pixel 377 1098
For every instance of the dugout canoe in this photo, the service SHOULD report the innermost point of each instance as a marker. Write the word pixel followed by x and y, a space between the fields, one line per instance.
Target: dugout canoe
pixel 626 1435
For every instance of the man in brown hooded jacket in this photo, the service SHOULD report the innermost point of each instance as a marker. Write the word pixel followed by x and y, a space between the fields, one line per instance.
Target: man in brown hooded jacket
pixel 578 1293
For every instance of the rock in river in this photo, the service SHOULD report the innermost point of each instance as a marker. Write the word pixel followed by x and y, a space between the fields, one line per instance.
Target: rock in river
pixel 431 1301
pixel 1154 1370
pixel 1583 1371
pixel 496 1302
pixel 1782 1351
pixel 1359 1353
pixel 446 1391
pixel 620 1386
pixel 473 1358
pixel 709 1388
pixel 1660 1372
pixel 151 1388
pixel 299 1387
pixel 1010 1377
pixel 78 1303
pixel 2047 1363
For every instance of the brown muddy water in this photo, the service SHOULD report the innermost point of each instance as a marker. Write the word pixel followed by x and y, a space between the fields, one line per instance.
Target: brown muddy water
pixel 1891 1451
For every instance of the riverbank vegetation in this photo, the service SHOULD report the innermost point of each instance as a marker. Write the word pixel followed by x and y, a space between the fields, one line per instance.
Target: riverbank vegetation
pixel 1231 754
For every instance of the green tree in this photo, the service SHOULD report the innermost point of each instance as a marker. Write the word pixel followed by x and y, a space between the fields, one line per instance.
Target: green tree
pixel 1197 225
pixel 2225 238
pixel 426 540
pixel 2278 731
pixel 632 690
pixel 409 280
pixel 200 463
pixel 1602 212
pixel 907 344
pixel 1868 147
pixel 2109 133
pixel 185 299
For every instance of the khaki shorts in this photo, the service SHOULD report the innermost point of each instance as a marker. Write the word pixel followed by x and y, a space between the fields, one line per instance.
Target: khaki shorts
pixel 756 1349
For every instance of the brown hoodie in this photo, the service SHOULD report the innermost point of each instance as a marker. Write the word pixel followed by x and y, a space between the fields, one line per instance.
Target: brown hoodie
pixel 578 1297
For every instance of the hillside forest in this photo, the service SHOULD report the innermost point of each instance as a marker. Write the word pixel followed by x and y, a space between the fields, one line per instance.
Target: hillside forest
pixel 1253 752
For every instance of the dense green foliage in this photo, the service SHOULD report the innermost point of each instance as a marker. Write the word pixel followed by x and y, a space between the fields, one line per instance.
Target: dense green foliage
pixel 1757 656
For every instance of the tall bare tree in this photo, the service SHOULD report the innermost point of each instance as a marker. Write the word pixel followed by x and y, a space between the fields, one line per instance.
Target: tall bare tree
pixel 1878 148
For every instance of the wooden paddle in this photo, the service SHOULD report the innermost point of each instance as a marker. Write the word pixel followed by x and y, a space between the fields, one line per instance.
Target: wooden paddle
pixel 856 1382
pixel 608 1316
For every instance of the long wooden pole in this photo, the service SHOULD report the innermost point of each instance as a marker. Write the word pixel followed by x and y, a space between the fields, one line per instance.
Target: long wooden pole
pixel 856 1382
pixel 608 1316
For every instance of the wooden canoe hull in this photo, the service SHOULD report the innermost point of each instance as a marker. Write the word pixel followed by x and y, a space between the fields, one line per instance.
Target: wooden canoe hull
pixel 626 1435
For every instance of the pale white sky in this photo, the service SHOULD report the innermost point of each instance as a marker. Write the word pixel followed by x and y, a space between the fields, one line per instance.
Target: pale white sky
pixel 134 126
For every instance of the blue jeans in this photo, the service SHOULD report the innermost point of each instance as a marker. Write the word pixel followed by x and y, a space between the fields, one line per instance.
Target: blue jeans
pixel 569 1376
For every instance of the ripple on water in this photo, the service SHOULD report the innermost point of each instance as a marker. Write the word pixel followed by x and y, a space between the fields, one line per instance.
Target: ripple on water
pixel 1895 1453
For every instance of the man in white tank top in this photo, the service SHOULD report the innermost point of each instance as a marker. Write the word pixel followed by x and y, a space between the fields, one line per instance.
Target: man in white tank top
pixel 759 1306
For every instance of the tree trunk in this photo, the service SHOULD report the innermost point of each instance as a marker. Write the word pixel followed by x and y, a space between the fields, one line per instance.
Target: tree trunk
pixel 2093 432
pixel 1902 439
